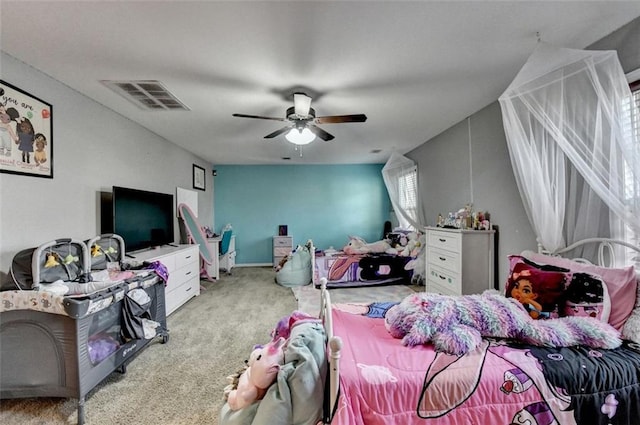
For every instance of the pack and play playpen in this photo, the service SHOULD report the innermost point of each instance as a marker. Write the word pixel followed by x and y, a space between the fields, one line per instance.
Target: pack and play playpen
pixel 64 326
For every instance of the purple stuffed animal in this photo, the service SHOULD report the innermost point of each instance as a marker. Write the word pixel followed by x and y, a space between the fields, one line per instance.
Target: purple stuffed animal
pixel 456 324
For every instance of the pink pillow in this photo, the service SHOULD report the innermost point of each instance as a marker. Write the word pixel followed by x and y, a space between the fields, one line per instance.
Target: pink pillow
pixel 621 284
pixel 587 296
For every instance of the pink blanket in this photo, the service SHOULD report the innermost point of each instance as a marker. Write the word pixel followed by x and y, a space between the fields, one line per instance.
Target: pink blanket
pixel 384 382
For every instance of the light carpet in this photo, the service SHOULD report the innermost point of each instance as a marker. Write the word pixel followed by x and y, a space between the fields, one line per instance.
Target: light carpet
pixel 309 297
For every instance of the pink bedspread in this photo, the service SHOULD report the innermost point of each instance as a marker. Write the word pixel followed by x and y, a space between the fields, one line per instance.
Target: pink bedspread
pixel 384 382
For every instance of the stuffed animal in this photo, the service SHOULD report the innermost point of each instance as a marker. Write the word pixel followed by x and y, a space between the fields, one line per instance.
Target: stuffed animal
pixel 284 325
pixel 456 324
pixel 357 245
pixel 413 246
pixel 234 378
pixel 257 378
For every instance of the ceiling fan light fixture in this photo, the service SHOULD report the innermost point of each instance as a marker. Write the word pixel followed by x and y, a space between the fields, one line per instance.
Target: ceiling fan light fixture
pixel 301 104
pixel 300 137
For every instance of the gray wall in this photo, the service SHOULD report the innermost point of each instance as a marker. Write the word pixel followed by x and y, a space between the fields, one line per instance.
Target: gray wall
pixel 94 149
pixel 454 170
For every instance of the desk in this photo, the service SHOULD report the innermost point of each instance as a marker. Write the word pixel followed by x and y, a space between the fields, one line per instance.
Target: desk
pixel 214 268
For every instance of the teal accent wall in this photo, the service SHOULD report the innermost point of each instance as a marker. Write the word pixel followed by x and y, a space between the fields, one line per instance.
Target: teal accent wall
pixel 325 203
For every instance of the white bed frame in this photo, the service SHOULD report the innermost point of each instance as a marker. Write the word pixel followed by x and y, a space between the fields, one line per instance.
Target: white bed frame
pixel 606 258
pixel 334 346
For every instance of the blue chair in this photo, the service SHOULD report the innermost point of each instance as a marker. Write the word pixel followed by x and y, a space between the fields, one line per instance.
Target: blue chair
pixel 227 257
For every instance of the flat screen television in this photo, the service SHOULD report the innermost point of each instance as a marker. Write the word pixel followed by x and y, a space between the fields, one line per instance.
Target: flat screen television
pixel 144 219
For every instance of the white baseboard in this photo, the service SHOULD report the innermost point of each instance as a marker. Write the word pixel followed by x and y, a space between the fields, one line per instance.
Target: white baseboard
pixel 254 265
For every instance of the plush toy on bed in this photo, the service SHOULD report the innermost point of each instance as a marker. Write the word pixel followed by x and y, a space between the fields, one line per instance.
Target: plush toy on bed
pixel 357 245
pixel 284 325
pixel 258 377
pixel 456 324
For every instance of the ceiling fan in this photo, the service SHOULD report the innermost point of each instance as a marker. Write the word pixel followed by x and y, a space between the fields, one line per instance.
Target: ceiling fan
pixel 302 117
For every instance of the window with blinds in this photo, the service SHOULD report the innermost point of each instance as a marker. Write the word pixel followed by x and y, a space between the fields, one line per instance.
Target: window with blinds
pixel 408 191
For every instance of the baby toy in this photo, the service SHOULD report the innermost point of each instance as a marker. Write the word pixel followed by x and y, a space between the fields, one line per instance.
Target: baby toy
pixel 456 324
pixel 258 377
pixel 357 245
pixel 96 250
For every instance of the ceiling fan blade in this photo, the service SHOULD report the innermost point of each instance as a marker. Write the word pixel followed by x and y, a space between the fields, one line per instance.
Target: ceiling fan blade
pixel 259 117
pixel 277 132
pixel 334 119
pixel 301 104
pixel 320 133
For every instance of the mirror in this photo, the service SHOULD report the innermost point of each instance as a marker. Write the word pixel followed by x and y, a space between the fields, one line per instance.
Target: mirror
pixel 195 233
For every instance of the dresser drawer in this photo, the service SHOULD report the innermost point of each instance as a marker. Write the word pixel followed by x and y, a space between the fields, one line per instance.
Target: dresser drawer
pixel 181 275
pixel 181 294
pixel 281 252
pixel 282 241
pixel 187 256
pixel 447 282
pixel 445 259
pixel 444 240
pixel 169 261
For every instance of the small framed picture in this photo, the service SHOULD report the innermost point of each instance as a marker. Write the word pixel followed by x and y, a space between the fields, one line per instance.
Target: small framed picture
pixel 282 230
pixel 198 178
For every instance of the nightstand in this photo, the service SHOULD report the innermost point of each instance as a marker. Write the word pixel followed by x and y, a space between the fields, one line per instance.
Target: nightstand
pixel 282 246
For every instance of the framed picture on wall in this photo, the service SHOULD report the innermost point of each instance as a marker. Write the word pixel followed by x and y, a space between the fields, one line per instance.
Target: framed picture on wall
pixel 26 133
pixel 198 177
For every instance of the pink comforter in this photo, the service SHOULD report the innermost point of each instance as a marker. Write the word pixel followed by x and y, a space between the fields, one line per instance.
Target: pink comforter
pixel 384 382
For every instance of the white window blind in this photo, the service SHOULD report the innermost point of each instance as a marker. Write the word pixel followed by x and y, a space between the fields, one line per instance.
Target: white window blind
pixel 408 191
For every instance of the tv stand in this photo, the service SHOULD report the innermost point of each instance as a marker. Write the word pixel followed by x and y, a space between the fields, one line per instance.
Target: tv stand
pixel 183 264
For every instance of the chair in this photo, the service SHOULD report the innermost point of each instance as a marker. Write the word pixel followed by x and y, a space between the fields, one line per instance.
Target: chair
pixel 196 235
pixel 227 254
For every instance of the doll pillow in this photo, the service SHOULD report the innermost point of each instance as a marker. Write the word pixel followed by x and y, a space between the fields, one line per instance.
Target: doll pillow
pixel 587 296
pixel 542 292
pixel 621 284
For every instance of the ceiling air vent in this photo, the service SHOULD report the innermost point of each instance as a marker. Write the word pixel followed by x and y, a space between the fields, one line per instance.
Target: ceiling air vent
pixel 147 94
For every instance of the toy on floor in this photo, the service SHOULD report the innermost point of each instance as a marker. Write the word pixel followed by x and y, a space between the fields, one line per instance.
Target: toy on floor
pixel 456 324
pixel 257 378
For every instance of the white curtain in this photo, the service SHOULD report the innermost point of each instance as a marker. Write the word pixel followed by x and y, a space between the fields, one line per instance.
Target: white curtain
pixel 563 118
pixel 401 179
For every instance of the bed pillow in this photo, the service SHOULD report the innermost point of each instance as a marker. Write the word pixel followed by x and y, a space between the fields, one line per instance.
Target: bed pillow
pixel 631 329
pixel 621 284
pixel 587 296
pixel 542 292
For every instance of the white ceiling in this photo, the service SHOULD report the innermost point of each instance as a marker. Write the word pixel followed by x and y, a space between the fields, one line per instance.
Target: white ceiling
pixel 414 68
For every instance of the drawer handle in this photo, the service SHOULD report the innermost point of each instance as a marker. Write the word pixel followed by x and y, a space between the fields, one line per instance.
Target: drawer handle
pixel 441 277
pixel 187 257
pixel 442 240
pixel 188 289
pixel 442 259
pixel 187 273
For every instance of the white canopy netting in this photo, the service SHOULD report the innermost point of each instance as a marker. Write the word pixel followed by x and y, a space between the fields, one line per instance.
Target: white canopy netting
pixel 401 179
pixel 575 161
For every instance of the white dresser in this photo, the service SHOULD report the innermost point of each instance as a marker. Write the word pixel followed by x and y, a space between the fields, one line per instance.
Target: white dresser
pixel 459 262
pixel 282 246
pixel 183 264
